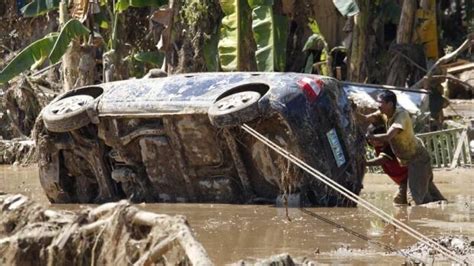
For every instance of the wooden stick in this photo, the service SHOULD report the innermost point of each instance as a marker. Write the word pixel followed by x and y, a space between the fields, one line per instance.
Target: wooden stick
pixel 156 252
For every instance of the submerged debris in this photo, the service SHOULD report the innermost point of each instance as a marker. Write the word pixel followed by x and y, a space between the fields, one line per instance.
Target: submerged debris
pixel 462 246
pixel 283 259
pixel 111 234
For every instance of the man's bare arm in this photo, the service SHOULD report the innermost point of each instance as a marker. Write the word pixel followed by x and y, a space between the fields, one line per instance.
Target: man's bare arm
pixel 385 137
pixel 371 118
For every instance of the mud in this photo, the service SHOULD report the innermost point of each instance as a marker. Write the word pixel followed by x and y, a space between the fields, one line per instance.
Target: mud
pixel 231 233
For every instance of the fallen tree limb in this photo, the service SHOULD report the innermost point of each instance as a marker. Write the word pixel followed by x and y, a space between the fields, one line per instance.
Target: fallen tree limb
pixel 446 58
pixel 452 78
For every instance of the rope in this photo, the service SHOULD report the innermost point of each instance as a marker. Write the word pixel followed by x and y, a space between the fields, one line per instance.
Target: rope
pixel 363 237
pixel 355 198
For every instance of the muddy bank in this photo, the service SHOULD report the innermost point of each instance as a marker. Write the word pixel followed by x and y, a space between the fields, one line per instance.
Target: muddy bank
pixel 230 233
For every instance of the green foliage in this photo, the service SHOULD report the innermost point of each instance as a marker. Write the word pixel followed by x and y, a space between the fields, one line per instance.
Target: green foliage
pixel 192 11
pixel 316 42
pixel 270 32
pixel 39 7
pixel 210 52
pixel 256 3
pixel 31 57
pixel 72 29
pixel 154 58
pixel 102 20
pixel 232 33
pixel 122 5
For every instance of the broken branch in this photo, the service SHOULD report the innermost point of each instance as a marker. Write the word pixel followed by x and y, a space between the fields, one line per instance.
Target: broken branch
pixel 446 58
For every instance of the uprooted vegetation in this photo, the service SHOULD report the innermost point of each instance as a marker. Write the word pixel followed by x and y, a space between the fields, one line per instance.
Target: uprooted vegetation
pixel 111 234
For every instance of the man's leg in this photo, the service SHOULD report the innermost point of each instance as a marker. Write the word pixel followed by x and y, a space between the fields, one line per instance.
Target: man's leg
pixel 420 175
pixel 401 196
pixel 435 193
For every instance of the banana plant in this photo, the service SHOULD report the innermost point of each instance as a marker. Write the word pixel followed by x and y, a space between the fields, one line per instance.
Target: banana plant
pixel 270 32
pixel 154 58
pixel 53 46
pixel 114 67
pixel 72 29
pixel 233 33
pixel 316 42
pixel 39 7
pixel 33 56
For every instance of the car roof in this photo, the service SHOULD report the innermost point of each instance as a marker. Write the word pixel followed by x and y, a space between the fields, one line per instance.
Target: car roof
pixel 193 92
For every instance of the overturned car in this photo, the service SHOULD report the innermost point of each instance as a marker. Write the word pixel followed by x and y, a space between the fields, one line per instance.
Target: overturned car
pixel 178 139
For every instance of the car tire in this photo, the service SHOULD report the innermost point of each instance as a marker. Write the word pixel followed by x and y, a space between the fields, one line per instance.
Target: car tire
pixel 235 109
pixel 67 114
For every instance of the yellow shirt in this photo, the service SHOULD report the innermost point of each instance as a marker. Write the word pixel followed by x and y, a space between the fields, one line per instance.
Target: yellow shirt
pixel 404 144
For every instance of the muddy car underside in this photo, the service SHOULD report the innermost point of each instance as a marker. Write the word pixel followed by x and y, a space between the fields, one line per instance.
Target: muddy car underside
pixel 172 159
pixel 184 158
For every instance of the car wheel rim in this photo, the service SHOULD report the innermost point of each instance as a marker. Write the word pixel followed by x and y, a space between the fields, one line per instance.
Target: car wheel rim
pixel 235 100
pixel 70 104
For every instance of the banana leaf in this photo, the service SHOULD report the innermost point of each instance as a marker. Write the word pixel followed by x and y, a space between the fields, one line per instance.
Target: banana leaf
pixel 230 45
pixel 71 30
pixel 39 7
pixel 101 20
pixel 270 32
pixel 31 57
pixel 317 42
pixel 154 58
pixel 308 67
pixel 122 5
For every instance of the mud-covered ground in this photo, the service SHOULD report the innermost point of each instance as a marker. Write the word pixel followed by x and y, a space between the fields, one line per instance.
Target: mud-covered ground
pixel 230 233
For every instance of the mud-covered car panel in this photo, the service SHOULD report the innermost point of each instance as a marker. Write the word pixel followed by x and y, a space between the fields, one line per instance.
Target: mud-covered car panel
pixel 153 141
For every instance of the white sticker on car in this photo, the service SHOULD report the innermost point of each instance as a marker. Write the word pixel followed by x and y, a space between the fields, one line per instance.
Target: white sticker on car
pixel 336 147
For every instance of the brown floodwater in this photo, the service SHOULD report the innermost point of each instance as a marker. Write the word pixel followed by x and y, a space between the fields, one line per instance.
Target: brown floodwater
pixel 230 233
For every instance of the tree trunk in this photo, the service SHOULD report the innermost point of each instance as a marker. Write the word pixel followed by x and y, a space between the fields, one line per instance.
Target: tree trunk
pixel 78 66
pixel 193 24
pixel 78 63
pixel 399 67
pixel 330 22
pixel 298 12
pixel 360 43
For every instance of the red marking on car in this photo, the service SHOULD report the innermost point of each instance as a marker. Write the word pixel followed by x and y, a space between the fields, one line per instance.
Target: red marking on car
pixel 311 87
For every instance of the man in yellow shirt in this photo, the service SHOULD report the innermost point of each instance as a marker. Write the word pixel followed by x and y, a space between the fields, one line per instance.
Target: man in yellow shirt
pixel 408 149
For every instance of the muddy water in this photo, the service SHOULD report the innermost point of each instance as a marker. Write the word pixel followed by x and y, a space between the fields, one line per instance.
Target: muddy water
pixel 328 235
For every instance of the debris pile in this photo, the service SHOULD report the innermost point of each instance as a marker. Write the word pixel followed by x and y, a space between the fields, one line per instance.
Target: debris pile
pixel 111 234
pixel 17 151
pixel 460 245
